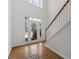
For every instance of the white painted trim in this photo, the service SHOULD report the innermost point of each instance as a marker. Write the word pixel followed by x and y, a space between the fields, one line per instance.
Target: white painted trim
pixel 27 43
pixel 65 57
pixel 9 51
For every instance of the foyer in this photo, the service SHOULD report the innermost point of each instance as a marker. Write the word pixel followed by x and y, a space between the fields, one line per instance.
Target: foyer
pixel 39 29
pixel 33 51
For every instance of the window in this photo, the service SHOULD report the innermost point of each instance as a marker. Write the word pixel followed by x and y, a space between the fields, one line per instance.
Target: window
pixel 38 3
pixel 35 19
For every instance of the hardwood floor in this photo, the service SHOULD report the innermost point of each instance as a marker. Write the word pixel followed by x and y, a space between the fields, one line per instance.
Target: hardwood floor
pixel 32 51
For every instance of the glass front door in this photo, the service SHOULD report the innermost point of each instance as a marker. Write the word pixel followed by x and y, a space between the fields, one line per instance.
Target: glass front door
pixel 32 31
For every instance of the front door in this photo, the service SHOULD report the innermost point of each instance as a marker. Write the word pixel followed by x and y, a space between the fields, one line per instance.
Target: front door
pixel 33 32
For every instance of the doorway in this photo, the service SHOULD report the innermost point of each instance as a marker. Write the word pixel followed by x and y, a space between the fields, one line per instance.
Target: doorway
pixel 33 30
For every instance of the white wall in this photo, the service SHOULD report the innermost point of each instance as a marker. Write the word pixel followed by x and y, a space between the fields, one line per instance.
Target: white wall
pixel 17 22
pixel 61 42
pixel 36 12
pixel 53 8
pixel 20 9
pixel 9 27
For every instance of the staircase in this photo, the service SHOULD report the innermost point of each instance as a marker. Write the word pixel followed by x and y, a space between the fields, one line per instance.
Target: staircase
pixel 58 31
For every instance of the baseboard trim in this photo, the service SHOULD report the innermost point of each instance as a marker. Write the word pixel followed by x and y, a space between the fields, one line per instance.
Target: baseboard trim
pixel 9 51
pixel 29 43
pixel 63 56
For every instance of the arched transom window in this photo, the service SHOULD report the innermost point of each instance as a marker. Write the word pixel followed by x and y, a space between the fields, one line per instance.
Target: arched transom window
pixel 38 3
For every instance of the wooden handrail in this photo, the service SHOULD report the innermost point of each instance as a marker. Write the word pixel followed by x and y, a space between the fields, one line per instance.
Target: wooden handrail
pixel 57 14
pixel 55 18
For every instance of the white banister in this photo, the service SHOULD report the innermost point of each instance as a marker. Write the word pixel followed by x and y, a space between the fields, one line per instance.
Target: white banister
pixel 60 21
